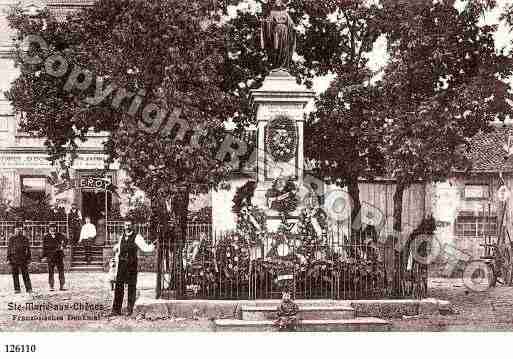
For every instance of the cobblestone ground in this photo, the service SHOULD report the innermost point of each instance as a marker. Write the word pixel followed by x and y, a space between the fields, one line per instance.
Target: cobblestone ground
pixel 486 311
pixel 84 289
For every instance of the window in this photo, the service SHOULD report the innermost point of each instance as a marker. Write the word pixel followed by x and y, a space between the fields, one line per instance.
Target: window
pixel 32 190
pixel 476 191
pixel 476 226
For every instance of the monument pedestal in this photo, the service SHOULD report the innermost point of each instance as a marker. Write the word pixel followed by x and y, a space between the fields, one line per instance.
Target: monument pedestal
pixel 280 107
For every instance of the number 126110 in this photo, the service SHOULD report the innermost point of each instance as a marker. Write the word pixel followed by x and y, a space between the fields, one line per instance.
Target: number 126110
pixel 20 348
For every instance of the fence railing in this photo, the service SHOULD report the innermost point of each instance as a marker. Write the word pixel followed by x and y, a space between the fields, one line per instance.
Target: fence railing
pixel 231 266
pixel 228 266
pixel 35 231
pixel 115 231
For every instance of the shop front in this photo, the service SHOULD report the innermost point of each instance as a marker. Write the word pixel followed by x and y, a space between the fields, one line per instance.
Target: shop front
pixel 29 178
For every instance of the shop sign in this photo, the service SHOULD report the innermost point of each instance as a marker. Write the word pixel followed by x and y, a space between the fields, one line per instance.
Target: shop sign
pixel 40 161
pixel 62 182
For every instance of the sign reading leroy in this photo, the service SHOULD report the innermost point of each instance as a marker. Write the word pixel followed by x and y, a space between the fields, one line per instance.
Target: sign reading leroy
pixel 62 182
pixel 100 184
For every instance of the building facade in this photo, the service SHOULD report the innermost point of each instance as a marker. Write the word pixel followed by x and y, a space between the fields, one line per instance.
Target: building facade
pixel 26 175
pixel 469 207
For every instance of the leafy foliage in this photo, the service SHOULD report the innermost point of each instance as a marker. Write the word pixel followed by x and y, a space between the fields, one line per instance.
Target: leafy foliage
pixel 323 44
pixel 170 53
pixel 444 83
pixel 340 136
pixel 139 212
pixel 40 210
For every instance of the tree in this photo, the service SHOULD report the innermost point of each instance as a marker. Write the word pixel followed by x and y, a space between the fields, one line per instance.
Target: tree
pixel 158 58
pixel 340 135
pixel 444 83
pixel 322 43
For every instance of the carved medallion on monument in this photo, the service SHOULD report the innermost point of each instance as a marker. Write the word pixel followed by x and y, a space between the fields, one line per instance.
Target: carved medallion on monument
pixel 281 139
pixel 281 148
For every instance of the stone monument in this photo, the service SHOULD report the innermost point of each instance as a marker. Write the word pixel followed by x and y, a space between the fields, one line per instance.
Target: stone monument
pixel 280 107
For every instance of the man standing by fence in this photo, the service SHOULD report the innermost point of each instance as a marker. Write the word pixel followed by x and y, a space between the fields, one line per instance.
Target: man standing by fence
pixel 126 252
pixel 53 250
pixel 18 256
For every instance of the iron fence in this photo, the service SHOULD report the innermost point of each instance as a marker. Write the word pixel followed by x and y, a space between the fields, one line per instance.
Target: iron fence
pixel 194 231
pixel 34 231
pixel 115 231
pixel 227 266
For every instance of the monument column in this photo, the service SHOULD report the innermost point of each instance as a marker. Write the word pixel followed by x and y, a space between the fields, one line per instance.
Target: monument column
pixel 280 107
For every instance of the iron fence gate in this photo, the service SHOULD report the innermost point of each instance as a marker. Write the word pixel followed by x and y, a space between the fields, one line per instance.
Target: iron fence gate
pixel 227 266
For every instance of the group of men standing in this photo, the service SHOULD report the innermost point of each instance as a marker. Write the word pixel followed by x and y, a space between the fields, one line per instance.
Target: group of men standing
pixel 19 254
pixel 54 243
pixel 19 257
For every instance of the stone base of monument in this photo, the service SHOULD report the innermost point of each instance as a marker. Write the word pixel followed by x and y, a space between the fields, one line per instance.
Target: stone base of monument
pixel 315 315
pixel 319 325
pixel 251 313
pixel 319 317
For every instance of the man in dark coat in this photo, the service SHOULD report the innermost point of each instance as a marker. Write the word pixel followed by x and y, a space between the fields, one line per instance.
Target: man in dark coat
pixel 53 250
pixel 74 223
pixel 18 256
pixel 126 253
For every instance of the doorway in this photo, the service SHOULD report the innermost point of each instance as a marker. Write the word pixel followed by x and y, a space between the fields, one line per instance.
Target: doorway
pixel 93 204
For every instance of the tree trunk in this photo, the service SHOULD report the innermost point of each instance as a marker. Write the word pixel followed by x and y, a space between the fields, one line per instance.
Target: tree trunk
pixel 157 224
pixel 354 191
pixel 158 288
pixel 180 208
pixel 398 253
pixel 398 206
pixel 356 223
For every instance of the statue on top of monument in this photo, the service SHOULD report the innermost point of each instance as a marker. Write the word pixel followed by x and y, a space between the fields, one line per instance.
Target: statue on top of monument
pixel 278 36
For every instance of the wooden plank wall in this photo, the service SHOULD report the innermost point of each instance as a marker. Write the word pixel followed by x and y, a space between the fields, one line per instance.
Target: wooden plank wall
pixel 416 203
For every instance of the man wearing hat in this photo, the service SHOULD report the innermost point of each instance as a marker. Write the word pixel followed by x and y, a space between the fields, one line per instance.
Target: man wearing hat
pixel 18 256
pixel 53 250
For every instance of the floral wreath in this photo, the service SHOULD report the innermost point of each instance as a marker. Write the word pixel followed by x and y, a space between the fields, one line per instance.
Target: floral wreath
pixel 282 196
pixel 199 263
pixel 281 139
pixel 313 222
pixel 251 221
pixel 232 257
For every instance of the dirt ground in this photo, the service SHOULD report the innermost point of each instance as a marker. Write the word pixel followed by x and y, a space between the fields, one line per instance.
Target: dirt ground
pixel 491 310
pixel 90 298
